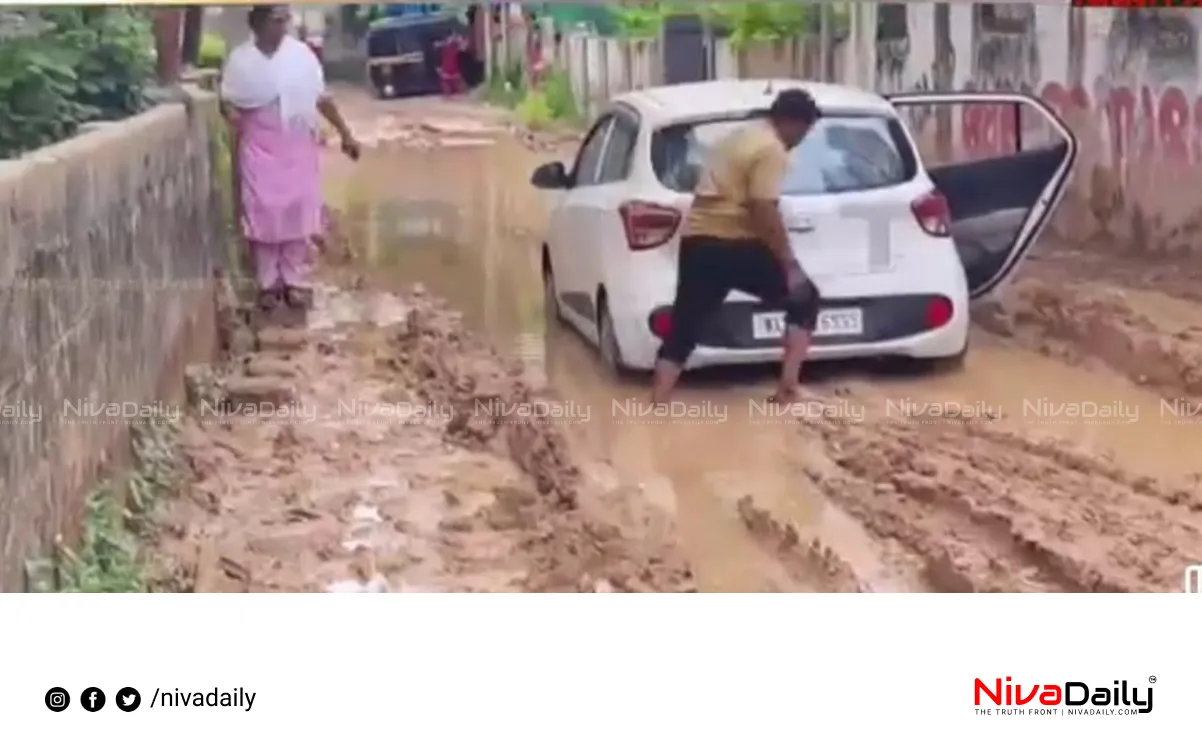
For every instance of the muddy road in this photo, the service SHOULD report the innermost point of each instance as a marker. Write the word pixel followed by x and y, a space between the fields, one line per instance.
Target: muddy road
pixel 1062 457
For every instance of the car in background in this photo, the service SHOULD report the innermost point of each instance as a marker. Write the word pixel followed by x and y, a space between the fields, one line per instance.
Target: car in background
pixel 403 53
pixel 898 250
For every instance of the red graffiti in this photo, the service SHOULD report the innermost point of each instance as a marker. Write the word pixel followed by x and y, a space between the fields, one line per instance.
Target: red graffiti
pixel 1145 123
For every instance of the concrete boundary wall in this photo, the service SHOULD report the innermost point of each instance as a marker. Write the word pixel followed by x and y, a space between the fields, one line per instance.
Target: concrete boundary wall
pixel 1128 81
pixel 110 241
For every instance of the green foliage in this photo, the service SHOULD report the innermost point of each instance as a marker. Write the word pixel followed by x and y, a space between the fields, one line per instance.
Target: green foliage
pixel 506 87
pixel 212 52
pixel 81 64
pixel 642 20
pixel 552 102
pixel 533 110
pixel 749 23
pixel 557 87
pixel 746 23
pixel 117 520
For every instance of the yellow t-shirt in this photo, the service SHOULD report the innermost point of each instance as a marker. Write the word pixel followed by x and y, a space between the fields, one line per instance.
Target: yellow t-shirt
pixel 746 165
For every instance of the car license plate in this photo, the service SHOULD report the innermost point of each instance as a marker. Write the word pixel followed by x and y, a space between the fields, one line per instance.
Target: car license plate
pixel 840 322
pixel 765 325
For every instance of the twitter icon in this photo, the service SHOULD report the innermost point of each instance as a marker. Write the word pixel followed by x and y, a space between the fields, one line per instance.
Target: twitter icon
pixel 128 699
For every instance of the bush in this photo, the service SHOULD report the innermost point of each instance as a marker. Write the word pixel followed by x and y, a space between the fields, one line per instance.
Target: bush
pixel 77 65
pixel 212 52
pixel 533 111
pixel 557 86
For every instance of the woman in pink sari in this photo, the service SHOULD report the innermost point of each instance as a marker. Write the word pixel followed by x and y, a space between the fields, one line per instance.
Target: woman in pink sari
pixel 273 91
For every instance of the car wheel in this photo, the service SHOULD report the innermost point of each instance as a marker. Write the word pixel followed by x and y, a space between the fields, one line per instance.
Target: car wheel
pixel 607 340
pixel 554 312
pixel 948 364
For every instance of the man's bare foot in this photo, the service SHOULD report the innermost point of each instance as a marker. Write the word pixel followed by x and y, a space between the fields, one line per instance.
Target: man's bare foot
pixel 784 396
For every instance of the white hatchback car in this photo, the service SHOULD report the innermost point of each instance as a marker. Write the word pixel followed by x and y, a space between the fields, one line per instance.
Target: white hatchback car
pixel 897 250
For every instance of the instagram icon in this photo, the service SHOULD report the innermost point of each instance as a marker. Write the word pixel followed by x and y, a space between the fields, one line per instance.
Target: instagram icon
pixel 57 699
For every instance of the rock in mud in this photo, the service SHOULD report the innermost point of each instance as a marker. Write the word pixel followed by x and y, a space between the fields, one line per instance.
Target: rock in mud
pixel 282 339
pixel 260 366
pixel 258 390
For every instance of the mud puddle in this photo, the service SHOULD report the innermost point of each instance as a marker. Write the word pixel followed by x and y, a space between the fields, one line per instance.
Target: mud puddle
pixel 889 499
pixel 483 258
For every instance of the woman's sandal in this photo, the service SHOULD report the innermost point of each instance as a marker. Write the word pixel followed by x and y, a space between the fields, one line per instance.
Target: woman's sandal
pixel 269 299
pixel 296 298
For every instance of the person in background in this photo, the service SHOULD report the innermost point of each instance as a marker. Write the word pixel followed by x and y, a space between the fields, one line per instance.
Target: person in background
pixel 273 93
pixel 734 238
pixel 450 67
pixel 536 63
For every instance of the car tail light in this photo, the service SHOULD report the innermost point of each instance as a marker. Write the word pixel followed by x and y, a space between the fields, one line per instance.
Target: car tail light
pixel 933 214
pixel 661 323
pixel 939 313
pixel 648 225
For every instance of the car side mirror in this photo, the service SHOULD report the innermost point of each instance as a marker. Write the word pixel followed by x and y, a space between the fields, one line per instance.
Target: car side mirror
pixel 550 176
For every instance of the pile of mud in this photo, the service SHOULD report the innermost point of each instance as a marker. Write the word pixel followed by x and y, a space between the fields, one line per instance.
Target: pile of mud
pixel 578 527
pixel 978 508
pixel 1081 321
pixel 389 132
pixel 334 460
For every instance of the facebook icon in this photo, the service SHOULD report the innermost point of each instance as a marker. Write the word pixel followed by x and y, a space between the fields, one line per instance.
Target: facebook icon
pixel 92 699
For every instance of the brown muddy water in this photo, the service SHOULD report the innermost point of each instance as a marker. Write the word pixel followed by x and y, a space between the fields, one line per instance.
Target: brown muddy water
pixel 1021 471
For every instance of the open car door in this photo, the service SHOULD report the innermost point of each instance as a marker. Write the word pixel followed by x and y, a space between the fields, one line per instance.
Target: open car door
pixel 1003 176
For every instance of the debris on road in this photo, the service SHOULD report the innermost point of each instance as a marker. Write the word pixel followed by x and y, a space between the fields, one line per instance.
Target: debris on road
pixel 356 481
pixel 985 509
pixel 1081 320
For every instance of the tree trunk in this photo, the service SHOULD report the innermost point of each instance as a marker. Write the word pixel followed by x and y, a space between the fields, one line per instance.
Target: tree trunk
pixel 194 17
pixel 168 23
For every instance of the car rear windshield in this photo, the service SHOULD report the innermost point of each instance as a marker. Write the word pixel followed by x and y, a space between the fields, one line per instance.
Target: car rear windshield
pixel 841 154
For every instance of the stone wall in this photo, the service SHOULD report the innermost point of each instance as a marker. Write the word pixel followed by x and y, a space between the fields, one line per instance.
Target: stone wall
pixel 110 241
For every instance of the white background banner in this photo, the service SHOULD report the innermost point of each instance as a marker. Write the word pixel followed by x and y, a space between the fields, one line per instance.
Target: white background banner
pixel 607 667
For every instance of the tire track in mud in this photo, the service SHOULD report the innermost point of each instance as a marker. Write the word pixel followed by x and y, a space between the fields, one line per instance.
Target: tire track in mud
pixel 610 534
pixel 984 509
pixel 319 464
pixel 943 507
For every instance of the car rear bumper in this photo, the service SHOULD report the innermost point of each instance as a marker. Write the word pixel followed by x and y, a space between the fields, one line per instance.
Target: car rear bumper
pixel 893 326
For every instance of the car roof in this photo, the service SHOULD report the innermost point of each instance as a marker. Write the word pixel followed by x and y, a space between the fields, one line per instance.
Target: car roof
pixel 668 103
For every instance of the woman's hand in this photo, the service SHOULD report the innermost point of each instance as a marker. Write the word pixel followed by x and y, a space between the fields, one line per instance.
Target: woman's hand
pixel 350 146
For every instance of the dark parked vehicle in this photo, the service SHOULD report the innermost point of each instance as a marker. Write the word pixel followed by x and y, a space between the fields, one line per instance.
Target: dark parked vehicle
pixel 403 54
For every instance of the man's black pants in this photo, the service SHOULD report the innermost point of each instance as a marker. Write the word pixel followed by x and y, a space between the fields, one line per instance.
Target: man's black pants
pixel 709 268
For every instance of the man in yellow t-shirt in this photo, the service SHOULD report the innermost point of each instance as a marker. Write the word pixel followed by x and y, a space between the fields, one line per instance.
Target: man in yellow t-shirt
pixel 734 239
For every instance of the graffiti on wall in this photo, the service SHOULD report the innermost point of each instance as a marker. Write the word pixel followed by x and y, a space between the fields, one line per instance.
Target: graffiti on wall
pixel 1161 44
pixel 892 58
pixel 1005 58
pixel 1005 48
pixel 892 47
pixel 1146 97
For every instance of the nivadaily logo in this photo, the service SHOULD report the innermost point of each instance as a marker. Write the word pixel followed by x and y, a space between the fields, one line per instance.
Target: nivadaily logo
pixel 1069 698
